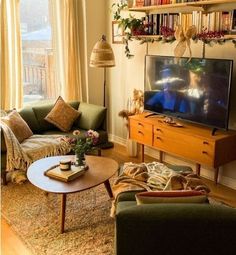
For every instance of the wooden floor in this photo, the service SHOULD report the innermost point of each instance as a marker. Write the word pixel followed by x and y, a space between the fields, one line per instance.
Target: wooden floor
pixel 12 245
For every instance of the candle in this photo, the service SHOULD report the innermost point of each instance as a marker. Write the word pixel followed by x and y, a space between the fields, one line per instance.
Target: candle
pixel 65 165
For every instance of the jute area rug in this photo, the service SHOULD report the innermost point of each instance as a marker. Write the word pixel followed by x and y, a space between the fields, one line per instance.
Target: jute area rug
pixel 35 218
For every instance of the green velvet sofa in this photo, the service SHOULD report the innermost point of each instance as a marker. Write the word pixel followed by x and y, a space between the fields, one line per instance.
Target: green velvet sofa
pixel 92 117
pixel 170 229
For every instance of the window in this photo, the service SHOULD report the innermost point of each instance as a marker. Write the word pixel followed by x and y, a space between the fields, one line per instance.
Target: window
pixel 38 71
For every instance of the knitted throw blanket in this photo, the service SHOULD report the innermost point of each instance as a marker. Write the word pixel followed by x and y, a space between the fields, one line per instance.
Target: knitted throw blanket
pixel 153 176
pixel 20 156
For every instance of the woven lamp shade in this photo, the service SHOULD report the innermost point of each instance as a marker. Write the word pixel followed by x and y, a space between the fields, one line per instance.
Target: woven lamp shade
pixel 102 54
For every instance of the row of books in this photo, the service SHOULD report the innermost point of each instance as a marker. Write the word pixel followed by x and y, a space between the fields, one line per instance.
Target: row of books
pixel 140 3
pixel 215 21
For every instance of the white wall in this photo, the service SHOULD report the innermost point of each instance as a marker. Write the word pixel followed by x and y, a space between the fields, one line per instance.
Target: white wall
pixel 129 74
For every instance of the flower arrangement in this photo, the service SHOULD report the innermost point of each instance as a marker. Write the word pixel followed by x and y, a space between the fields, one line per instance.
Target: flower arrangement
pixel 83 145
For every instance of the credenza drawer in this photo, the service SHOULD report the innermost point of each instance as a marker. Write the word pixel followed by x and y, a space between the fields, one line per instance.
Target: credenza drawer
pixel 141 132
pixel 185 146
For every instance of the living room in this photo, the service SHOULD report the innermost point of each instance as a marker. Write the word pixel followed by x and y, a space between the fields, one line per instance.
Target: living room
pixel 36 217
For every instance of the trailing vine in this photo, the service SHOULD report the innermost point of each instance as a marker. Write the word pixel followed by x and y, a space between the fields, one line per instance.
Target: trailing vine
pixel 135 28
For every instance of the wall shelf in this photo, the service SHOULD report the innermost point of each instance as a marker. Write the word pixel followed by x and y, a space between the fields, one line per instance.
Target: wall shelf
pixel 155 37
pixel 211 5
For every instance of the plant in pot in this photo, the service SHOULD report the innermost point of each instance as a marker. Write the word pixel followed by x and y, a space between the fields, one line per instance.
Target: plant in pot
pixel 131 25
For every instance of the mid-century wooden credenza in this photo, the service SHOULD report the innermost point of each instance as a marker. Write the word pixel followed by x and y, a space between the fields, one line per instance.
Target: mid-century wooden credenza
pixel 192 142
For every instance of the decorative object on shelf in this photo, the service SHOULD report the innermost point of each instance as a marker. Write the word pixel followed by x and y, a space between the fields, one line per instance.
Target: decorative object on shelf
pixel 167 32
pixel 184 36
pixel 134 106
pixel 117 33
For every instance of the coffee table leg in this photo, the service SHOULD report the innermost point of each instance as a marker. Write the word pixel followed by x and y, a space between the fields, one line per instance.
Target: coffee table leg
pixel 63 211
pixel 108 188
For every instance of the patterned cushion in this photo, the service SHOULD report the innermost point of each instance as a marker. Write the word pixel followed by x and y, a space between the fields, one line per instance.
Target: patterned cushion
pixel 182 196
pixel 18 126
pixel 62 115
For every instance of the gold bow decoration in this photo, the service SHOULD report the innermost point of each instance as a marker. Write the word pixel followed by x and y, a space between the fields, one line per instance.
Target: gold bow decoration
pixel 184 36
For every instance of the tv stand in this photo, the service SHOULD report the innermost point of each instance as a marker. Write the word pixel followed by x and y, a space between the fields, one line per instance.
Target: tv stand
pixel 193 142
pixel 214 131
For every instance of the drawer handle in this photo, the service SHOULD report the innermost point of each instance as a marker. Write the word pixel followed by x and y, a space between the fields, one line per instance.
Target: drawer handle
pixel 140 124
pixel 204 152
pixel 140 132
pixel 158 138
pixel 205 142
pixel 158 129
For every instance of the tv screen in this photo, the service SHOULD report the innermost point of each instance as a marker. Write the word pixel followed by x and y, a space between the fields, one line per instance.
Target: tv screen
pixel 196 90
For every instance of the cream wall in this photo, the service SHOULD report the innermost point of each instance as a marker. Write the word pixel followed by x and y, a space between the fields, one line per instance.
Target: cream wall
pixel 95 14
pixel 129 74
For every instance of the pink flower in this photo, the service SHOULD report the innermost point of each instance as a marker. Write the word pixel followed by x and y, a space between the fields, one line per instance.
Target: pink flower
pixel 92 133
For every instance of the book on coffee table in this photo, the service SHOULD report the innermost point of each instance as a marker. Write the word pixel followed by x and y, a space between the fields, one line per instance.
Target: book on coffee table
pixel 56 173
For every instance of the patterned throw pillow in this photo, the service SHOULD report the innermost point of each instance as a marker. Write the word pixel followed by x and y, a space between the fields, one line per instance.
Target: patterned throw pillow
pixel 62 115
pixel 18 126
pixel 180 196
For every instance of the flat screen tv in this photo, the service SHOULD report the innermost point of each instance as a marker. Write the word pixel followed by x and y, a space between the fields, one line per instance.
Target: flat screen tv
pixel 196 91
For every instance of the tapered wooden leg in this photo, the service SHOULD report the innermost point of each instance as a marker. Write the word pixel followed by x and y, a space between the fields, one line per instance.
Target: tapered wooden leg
pixel 216 175
pixel 161 157
pixel 142 152
pixel 4 177
pixel 198 169
pixel 108 188
pixel 63 211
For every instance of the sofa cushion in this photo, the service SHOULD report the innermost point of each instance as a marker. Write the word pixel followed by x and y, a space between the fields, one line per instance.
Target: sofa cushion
pixel 18 126
pixel 28 115
pixel 62 115
pixel 42 111
pixel 92 116
pixel 180 196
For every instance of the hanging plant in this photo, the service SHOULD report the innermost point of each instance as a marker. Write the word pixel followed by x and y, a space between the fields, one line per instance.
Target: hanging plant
pixel 131 26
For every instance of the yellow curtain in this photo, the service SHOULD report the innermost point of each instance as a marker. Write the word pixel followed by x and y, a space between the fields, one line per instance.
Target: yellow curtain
pixel 65 26
pixel 11 59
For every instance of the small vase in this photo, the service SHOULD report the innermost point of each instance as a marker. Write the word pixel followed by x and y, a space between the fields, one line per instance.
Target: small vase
pixel 79 160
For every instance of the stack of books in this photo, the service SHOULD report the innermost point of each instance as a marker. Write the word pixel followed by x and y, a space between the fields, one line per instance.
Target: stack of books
pixel 66 176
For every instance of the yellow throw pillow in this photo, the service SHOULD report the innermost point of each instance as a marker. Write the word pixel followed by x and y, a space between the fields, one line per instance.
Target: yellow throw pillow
pixel 180 196
pixel 62 115
pixel 18 126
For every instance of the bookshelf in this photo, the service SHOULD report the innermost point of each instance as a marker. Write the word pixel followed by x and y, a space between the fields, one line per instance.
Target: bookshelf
pixel 188 7
pixel 208 15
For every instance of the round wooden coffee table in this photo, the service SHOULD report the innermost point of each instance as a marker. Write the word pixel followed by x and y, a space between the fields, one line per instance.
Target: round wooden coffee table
pixel 101 169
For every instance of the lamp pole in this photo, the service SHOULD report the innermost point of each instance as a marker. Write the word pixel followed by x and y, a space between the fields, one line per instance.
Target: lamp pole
pixel 104 88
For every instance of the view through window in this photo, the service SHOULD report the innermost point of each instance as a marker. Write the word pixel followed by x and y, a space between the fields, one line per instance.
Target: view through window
pixel 38 73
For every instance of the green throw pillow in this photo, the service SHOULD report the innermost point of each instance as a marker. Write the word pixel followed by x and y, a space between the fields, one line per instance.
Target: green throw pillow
pixel 92 116
pixel 28 115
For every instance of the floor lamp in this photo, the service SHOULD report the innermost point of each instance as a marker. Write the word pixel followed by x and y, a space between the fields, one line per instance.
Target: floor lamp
pixel 102 56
